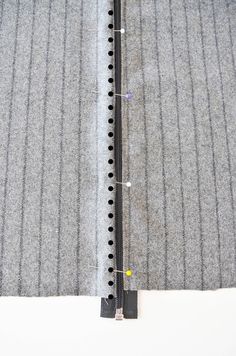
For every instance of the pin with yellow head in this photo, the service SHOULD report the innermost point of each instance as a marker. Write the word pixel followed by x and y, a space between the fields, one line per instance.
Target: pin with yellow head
pixel 128 273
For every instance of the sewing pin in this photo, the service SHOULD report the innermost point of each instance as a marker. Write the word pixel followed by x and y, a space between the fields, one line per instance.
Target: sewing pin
pixel 128 184
pixel 128 273
pixel 122 30
pixel 128 95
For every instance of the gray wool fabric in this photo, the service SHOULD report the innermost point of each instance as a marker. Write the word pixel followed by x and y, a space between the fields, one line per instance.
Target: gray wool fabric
pixel 53 148
pixel 179 143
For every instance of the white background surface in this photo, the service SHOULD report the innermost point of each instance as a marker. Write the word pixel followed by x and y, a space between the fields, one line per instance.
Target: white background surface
pixel 173 323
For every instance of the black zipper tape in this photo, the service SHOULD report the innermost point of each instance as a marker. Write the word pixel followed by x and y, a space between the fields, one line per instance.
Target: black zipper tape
pixel 125 303
pixel 130 307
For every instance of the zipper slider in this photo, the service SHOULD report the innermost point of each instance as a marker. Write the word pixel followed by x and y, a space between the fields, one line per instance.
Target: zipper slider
pixel 119 314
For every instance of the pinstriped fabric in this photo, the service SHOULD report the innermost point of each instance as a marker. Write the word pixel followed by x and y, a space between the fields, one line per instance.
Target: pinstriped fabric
pixel 212 138
pixel 163 185
pixel 62 109
pixel 178 139
pixel 180 128
pixel 79 148
pixel 8 144
pixel 146 146
pixel 196 141
pixel 25 150
pixel 225 128
pixel 53 153
pixel 43 149
pixel 179 142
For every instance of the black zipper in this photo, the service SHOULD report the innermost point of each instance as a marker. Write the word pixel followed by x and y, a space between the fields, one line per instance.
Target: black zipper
pixel 118 164
pixel 125 303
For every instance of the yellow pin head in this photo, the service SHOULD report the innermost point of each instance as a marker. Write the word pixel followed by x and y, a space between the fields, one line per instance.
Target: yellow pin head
pixel 128 273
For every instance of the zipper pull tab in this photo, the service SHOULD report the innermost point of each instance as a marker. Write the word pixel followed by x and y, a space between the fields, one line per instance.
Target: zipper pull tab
pixel 119 314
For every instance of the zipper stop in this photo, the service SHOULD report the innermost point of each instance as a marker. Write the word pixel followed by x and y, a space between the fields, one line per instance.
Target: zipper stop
pixel 119 314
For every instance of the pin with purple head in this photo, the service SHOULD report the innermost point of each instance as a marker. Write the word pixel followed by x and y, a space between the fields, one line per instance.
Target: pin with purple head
pixel 128 96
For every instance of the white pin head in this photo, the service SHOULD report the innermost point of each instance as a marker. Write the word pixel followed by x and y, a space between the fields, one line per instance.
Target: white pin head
pixel 127 184
pixel 122 30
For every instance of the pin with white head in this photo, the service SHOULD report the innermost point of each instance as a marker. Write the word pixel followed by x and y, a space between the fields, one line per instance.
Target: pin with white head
pixel 127 184
pixel 122 30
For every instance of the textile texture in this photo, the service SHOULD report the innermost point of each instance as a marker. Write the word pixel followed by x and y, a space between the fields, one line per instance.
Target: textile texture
pixel 179 143
pixel 53 148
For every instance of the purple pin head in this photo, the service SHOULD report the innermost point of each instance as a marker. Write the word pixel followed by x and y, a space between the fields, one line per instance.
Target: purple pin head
pixel 129 96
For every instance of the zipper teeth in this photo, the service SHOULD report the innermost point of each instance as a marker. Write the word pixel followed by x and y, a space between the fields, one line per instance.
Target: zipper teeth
pixel 118 158
pixel 110 161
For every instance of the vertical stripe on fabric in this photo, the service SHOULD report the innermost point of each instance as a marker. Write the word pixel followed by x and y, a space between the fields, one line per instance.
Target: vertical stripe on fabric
pixel 25 150
pixel 211 133
pixel 234 69
pixel 145 140
pixel 179 143
pixel 79 146
pixel 8 145
pixel 196 143
pixel 62 109
pixel 225 122
pixel 162 149
pixel 230 36
pixel 45 104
